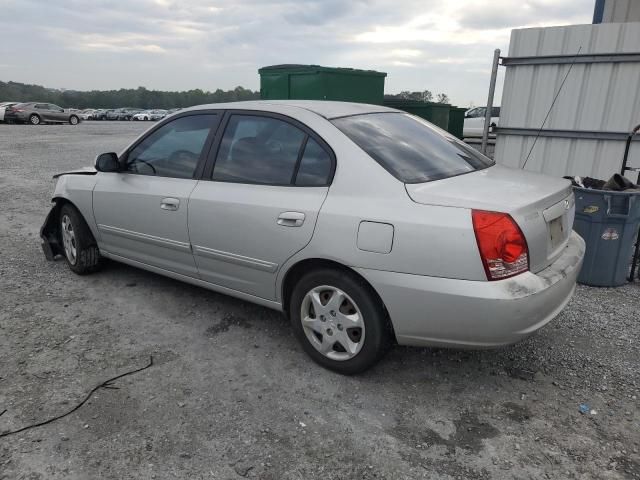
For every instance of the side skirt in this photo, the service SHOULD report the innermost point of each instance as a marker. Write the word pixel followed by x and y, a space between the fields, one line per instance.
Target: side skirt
pixel 196 281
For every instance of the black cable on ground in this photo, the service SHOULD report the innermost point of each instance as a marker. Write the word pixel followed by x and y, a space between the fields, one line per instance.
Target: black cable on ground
pixel 105 384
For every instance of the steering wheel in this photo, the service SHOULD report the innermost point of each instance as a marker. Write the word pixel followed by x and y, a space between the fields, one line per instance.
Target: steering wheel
pixel 182 155
pixel 137 160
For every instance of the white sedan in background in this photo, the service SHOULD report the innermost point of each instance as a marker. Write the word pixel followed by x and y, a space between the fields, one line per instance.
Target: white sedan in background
pixel 474 121
pixel 3 108
pixel 150 115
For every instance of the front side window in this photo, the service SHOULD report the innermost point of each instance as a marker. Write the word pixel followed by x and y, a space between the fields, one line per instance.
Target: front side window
pixel 410 148
pixel 257 149
pixel 174 149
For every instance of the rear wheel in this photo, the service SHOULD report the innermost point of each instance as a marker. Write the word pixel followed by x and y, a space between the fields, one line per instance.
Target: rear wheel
pixel 34 119
pixel 80 248
pixel 73 120
pixel 339 320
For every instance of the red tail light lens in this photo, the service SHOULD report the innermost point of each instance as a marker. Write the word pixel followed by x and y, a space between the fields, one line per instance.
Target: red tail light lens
pixel 502 245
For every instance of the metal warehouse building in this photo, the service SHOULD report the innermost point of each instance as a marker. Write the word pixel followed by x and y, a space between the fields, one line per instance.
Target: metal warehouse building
pixel 572 94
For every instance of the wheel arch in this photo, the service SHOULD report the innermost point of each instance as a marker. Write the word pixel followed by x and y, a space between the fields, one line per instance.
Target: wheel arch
pixel 50 230
pixel 298 269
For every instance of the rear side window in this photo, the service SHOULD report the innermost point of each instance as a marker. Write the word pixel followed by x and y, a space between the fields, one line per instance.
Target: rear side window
pixel 315 166
pixel 269 151
pixel 411 149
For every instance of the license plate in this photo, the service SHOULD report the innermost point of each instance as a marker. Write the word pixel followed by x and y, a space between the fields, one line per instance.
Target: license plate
pixel 556 229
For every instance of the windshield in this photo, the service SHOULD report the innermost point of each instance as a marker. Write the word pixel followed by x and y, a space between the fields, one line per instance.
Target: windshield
pixel 410 148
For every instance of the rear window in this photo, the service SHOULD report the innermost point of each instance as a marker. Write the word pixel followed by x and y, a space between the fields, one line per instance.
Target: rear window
pixel 411 149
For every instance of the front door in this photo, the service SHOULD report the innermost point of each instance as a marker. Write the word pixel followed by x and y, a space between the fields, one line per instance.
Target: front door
pixel 57 114
pixel 142 212
pixel 259 205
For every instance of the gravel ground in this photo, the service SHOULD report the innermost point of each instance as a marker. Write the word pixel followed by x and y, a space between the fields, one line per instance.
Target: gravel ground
pixel 232 395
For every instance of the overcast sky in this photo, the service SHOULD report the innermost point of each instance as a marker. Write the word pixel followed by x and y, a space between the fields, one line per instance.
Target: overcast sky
pixel 440 45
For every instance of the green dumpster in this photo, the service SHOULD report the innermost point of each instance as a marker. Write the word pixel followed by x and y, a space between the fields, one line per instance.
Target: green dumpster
pixel 436 113
pixel 456 121
pixel 314 82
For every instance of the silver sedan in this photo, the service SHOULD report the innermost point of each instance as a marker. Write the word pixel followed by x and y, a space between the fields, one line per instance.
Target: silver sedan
pixel 365 225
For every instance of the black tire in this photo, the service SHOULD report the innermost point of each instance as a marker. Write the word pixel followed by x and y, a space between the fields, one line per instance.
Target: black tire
pixel 34 119
pixel 74 120
pixel 377 331
pixel 87 257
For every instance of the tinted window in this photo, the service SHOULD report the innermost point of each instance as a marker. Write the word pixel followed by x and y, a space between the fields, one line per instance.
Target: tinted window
pixel 258 150
pixel 411 149
pixel 173 150
pixel 495 112
pixel 315 166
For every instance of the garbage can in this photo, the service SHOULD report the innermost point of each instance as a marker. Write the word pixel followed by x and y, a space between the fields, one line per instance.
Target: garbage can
pixel 608 222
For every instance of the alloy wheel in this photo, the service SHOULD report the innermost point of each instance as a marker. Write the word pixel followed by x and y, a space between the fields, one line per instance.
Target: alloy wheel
pixel 69 239
pixel 332 322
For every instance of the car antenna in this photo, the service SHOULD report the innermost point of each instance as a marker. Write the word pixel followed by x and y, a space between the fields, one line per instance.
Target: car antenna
pixel 552 104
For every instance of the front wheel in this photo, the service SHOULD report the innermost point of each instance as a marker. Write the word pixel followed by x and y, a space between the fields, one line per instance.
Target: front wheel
pixel 73 120
pixel 80 247
pixel 34 119
pixel 339 320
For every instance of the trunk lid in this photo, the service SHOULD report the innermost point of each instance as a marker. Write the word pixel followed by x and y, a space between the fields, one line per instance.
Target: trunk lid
pixel 543 206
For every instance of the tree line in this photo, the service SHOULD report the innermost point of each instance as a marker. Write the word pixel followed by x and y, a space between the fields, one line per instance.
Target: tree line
pixel 125 97
pixel 424 96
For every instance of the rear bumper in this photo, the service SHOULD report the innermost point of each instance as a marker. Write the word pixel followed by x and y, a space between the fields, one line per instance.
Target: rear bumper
pixel 430 311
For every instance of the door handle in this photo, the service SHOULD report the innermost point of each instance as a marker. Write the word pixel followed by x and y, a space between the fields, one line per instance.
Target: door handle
pixel 170 204
pixel 291 219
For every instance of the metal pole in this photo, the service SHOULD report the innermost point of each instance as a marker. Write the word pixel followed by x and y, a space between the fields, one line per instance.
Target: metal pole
pixel 492 89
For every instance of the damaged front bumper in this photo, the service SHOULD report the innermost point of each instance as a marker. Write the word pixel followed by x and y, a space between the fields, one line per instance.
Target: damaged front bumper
pixel 50 234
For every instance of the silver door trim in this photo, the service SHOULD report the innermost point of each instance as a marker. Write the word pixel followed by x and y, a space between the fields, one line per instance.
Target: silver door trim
pixel 234 258
pixel 143 237
pixel 196 281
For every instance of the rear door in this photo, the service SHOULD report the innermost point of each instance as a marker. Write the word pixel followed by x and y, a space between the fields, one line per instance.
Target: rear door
pixel 259 201
pixel 141 212
pixel 42 109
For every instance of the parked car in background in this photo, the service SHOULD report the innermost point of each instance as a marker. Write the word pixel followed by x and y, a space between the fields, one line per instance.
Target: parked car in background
pixel 87 114
pixel 142 116
pixel 439 246
pixel 113 114
pixel 37 113
pixel 128 113
pixel 150 115
pixel 3 107
pixel 100 114
pixel 474 121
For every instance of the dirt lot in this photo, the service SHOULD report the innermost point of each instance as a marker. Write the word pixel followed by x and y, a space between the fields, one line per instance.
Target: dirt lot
pixel 231 394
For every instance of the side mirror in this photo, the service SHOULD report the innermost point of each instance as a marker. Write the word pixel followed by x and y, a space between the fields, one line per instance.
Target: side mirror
pixel 107 162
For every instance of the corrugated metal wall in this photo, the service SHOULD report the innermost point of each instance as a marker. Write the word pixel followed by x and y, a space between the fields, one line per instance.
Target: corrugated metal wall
pixel 621 11
pixel 598 97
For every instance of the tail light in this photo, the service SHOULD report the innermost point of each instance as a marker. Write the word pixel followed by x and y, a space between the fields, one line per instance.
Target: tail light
pixel 502 245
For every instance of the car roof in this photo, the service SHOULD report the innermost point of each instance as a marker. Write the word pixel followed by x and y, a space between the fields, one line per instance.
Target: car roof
pixel 324 108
